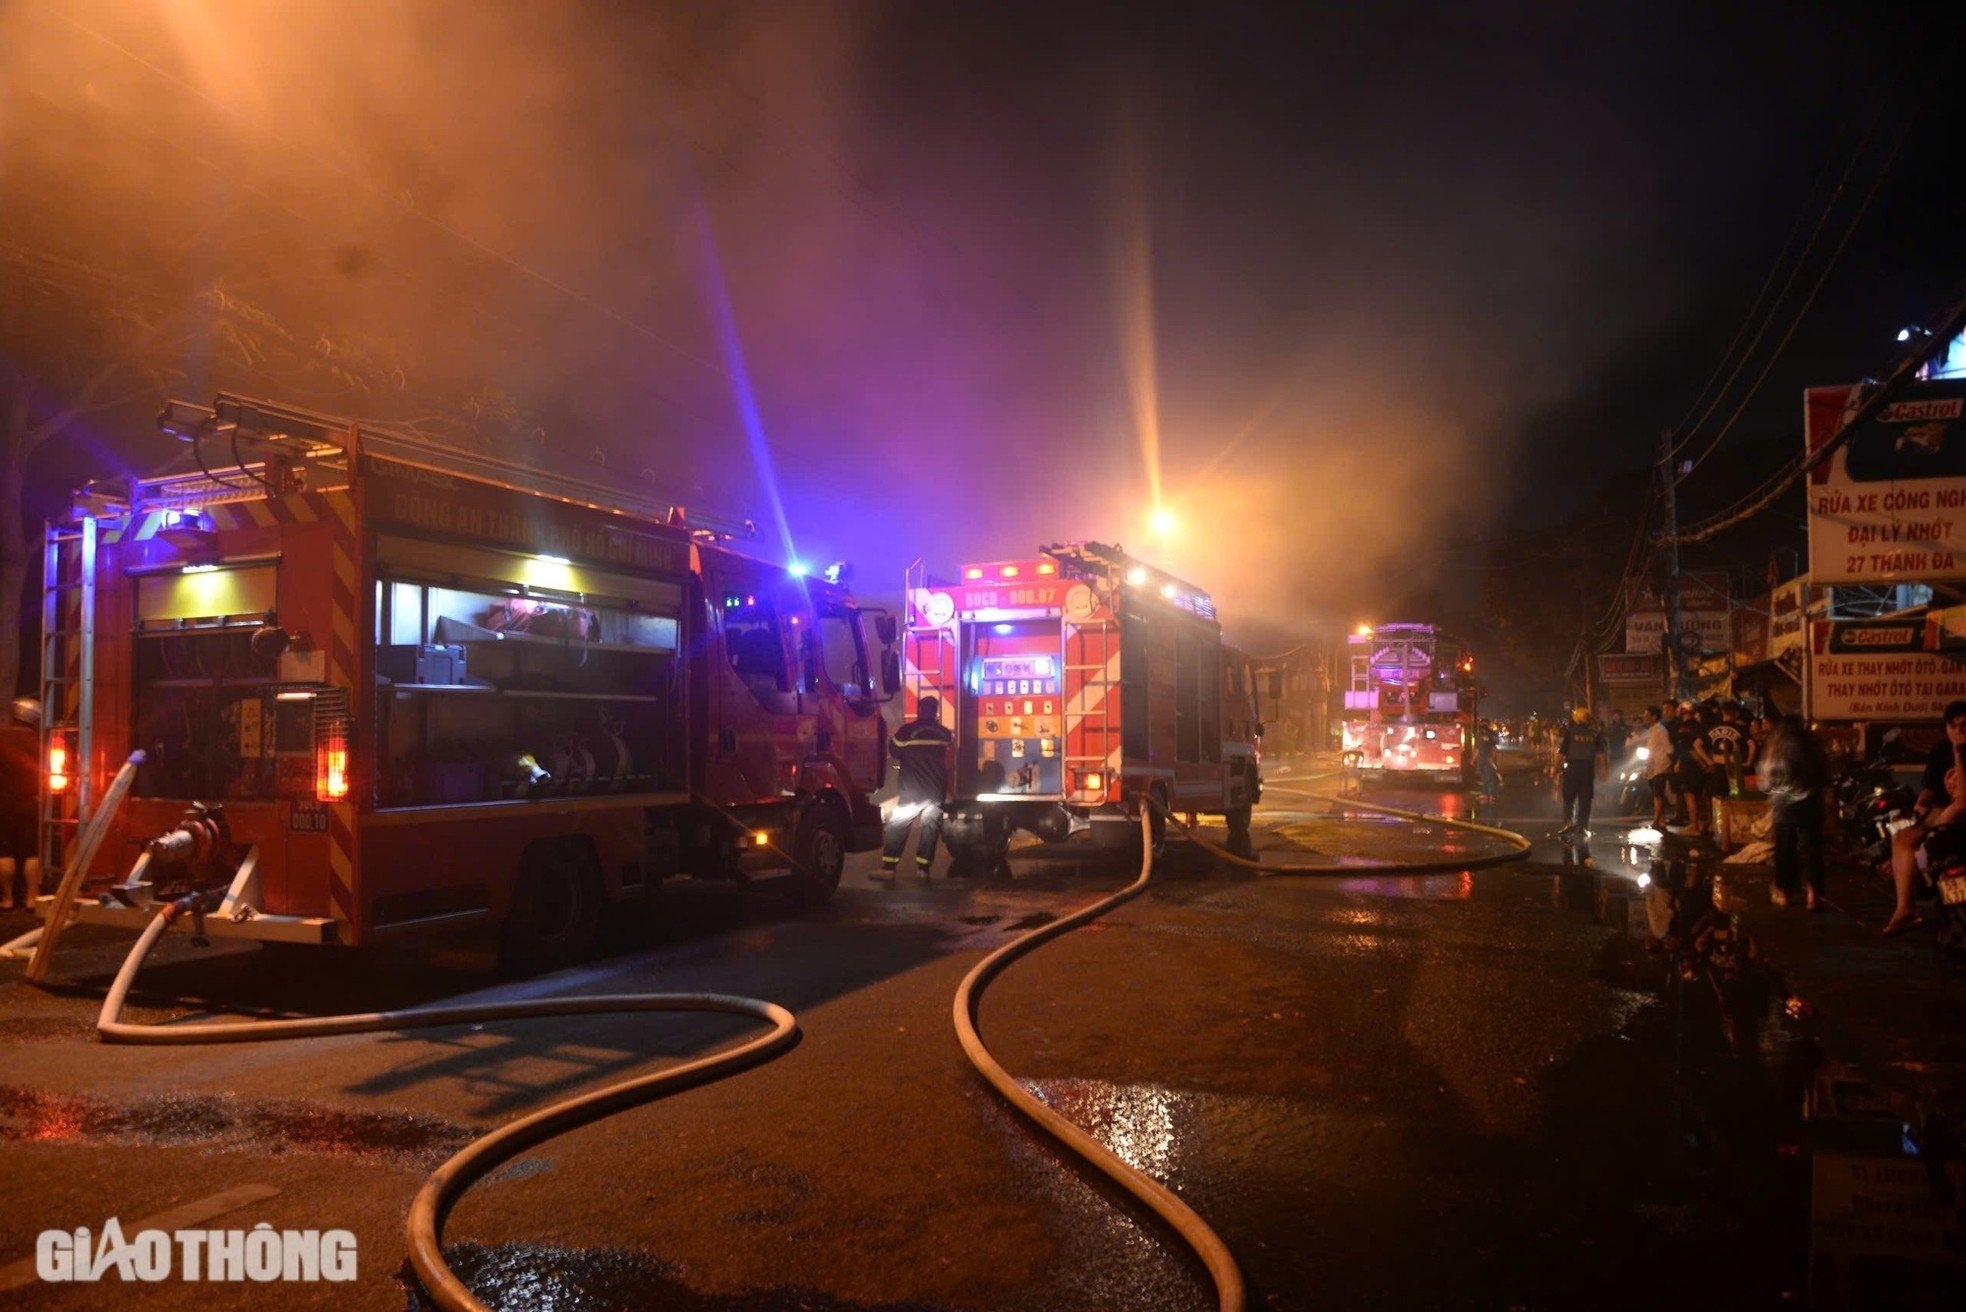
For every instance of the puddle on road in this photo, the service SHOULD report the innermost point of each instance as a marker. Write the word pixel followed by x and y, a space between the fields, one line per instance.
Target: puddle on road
pixel 546 1279
pixel 32 1115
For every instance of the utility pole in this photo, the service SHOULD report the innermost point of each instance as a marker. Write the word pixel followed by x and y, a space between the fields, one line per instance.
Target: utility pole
pixel 1676 680
pixel 1584 640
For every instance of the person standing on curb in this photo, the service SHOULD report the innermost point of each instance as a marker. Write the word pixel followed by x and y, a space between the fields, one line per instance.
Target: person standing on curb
pixel 1796 772
pixel 1658 762
pixel 921 750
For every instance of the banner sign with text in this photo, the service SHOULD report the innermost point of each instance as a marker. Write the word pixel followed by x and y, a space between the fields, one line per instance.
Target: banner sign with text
pixel 1705 608
pixel 1787 612
pixel 1890 505
pixel 1881 670
pixel 1629 667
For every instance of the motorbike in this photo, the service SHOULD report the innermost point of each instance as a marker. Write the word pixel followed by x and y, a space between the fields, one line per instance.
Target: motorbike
pixel 1634 784
pixel 1873 807
pixel 1943 883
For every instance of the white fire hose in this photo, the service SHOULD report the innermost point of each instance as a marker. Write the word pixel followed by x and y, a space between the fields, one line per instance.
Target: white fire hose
pixel 433 1202
pixel 1195 1232
pixel 442 1190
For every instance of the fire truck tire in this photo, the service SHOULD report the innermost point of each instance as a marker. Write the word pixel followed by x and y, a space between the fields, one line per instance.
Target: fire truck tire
pixel 556 910
pixel 1238 820
pixel 818 854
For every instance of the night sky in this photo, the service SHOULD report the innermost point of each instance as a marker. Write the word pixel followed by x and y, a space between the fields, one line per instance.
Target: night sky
pixel 1380 284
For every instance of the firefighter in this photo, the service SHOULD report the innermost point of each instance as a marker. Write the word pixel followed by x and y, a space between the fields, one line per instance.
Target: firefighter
pixel 20 791
pixel 1583 761
pixel 921 752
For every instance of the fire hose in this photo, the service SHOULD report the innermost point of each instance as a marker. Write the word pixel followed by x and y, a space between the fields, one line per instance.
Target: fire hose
pixel 1164 1203
pixel 440 1193
pixel 433 1203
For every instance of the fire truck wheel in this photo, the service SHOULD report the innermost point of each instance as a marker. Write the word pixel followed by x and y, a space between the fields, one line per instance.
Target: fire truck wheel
pixel 818 855
pixel 556 910
pixel 1238 821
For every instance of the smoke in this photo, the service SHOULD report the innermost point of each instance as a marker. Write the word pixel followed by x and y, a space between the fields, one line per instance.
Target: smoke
pixel 1355 255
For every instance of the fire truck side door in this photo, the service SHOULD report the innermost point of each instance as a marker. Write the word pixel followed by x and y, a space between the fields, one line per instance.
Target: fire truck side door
pixel 850 725
pixel 754 702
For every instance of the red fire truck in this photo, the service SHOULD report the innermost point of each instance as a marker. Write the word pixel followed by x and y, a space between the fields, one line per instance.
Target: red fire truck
pixel 1079 683
pixel 1410 708
pixel 385 688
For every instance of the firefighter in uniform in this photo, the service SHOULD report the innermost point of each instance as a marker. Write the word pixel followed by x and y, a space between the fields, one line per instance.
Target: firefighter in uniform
pixel 1582 756
pixel 921 752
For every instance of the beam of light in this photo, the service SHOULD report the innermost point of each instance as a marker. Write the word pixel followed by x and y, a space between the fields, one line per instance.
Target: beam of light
pixel 715 291
pixel 1162 521
pixel 1133 303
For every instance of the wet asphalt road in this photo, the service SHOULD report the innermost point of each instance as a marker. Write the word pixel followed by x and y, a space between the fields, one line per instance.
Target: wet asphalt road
pixel 1383 1091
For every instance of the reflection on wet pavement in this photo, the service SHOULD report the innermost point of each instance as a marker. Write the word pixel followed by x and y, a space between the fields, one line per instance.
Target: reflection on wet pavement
pixel 216 1121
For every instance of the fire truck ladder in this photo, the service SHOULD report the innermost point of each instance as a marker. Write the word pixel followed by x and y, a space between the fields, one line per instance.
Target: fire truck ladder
pixel 68 622
pixel 1095 645
pixel 941 680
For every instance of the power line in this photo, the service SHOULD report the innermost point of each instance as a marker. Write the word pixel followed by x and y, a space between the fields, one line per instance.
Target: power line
pixel 1687 425
pixel 1940 339
pixel 1850 231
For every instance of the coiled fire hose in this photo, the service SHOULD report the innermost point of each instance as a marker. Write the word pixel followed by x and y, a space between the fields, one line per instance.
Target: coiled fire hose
pixel 1195 1232
pixel 441 1191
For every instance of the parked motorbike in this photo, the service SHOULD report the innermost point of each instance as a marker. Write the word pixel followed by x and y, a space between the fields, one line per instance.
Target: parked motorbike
pixel 1943 884
pixel 1873 807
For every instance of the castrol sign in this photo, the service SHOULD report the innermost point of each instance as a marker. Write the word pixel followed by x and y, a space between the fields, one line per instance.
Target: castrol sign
pixel 1889 505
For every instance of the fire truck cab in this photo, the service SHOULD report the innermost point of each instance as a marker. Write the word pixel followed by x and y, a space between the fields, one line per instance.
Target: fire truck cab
pixel 1410 708
pixel 384 688
pixel 1081 685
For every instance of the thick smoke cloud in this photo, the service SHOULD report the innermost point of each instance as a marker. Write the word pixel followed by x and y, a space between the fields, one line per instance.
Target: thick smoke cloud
pixel 1376 246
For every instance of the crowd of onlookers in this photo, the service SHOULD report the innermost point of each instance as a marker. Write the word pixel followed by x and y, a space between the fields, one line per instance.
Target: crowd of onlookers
pixel 1694 752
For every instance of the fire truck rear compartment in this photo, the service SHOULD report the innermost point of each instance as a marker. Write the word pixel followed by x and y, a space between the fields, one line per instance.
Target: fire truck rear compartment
pixel 1012 712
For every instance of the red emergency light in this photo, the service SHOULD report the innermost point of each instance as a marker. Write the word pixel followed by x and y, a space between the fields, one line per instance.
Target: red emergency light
pixel 331 762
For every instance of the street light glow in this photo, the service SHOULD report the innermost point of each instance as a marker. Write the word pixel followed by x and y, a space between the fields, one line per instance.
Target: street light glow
pixel 1161 521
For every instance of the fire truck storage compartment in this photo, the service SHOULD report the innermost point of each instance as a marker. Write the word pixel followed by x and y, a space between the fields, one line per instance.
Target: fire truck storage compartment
pixel 545 692
pixel 208 714
pixel 1014 704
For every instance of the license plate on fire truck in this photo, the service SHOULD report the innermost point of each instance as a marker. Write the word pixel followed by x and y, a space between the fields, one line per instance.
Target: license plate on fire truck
pixel 1952 891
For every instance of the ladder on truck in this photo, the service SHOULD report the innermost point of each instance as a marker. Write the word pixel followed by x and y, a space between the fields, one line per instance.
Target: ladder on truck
pixel 938 680
pixel 68 657
pixel 1094 659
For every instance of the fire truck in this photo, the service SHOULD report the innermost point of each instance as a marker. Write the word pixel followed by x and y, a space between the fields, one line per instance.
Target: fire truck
pixel 384 688
pixel 1410 706
pixel 1080 684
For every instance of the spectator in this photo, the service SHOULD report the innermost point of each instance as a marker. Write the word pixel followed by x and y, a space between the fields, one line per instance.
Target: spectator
pixel 1726 742
pixel 1690 768
pixel 1617 734
pixel 1932 789
pixel 1658 762
pixel 1941 800
pixel 1796 776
